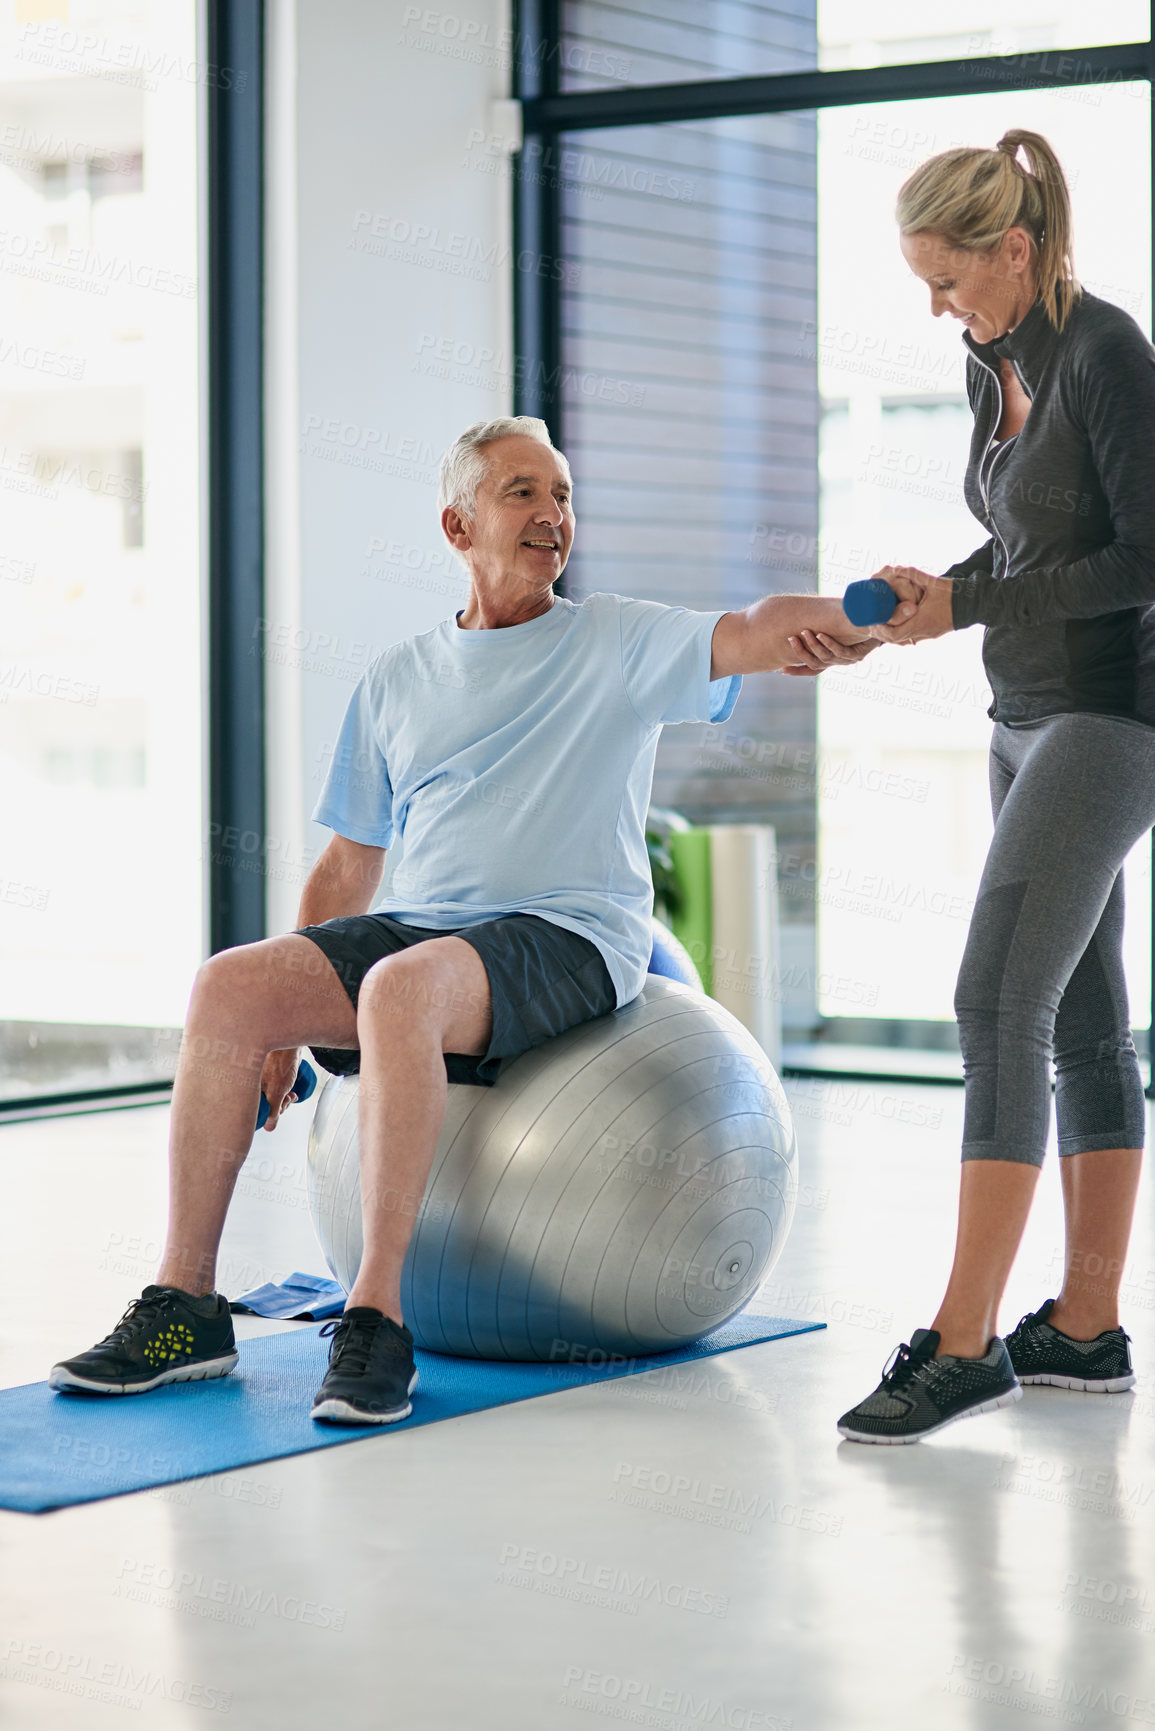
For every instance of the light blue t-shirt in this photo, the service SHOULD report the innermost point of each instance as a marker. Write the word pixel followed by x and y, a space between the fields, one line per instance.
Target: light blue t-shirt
pixel 517 765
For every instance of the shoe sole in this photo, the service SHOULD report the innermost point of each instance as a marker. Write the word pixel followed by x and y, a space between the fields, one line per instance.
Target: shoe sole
pixel 1083 1385
pixel 67 1381
pixel 860 1436
pixel 335 1411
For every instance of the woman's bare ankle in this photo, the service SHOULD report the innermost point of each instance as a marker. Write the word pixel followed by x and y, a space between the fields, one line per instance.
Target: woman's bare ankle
pixel 1082 1322
pixel 962 1343
pixel 963 1335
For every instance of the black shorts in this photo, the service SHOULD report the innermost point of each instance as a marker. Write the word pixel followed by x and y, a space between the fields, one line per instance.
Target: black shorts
pixel 542 978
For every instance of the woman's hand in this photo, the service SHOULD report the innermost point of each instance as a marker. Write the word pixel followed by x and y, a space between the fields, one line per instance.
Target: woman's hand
pixel 932 616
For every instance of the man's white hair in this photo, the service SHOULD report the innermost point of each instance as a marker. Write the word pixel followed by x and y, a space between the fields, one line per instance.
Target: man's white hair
pixel 464 464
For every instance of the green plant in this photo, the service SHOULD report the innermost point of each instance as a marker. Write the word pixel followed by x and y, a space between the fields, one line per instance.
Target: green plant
pixel 661 822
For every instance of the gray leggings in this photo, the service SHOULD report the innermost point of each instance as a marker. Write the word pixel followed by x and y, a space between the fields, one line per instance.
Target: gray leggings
pixel 1042 973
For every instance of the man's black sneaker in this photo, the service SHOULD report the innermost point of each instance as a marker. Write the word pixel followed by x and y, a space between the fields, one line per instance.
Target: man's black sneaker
pixel 165 1335
pixel 371 1371
pixel 1042 1353
pixel 920 1393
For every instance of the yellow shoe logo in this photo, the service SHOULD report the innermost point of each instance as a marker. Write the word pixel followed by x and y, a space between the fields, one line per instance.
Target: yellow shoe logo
pixel 174 1342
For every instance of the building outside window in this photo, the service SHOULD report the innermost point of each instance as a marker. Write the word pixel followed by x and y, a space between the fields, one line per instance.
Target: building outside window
pixel 101 668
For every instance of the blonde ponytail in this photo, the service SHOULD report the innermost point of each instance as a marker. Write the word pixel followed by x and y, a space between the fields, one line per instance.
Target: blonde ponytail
pixel 971 197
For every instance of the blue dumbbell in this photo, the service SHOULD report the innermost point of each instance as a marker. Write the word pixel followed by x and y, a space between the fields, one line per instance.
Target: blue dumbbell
pixel 306 1081
pixel 869 602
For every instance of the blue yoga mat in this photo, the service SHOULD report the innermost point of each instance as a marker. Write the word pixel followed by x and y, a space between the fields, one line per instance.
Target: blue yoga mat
pixel 58 1449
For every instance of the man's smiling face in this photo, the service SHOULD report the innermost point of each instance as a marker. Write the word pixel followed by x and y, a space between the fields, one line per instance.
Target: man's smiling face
pixel 522 524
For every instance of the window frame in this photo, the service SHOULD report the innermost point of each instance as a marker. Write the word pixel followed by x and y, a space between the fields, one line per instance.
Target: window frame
pixel 234 473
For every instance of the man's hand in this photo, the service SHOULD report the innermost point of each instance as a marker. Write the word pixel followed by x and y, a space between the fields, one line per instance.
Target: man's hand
pixel 814 651
pixel 933 615
pixel 793 633
pixel 277 1078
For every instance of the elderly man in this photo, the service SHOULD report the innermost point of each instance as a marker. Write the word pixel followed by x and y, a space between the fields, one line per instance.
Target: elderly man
pixel 512 747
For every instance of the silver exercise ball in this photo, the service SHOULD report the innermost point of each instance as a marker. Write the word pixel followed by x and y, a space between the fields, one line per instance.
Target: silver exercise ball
pixel 623 1188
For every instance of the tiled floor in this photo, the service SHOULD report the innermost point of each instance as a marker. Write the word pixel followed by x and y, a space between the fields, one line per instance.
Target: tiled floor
pixel 527 1568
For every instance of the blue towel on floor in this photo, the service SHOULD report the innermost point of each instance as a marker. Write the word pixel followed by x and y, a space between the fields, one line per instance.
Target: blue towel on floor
pixel 60 1449
pixel 298 1297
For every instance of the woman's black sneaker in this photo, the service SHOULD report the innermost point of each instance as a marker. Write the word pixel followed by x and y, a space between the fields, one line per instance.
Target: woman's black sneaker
pixel 371 1371
pixel 1042 1353
pixel 165 1335
pixel 920 1393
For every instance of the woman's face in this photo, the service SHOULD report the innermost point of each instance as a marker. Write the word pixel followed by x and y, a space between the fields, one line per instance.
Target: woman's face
pixel 988 291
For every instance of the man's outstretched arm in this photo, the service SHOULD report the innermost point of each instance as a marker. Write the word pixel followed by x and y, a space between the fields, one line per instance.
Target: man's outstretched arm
pixel 796 633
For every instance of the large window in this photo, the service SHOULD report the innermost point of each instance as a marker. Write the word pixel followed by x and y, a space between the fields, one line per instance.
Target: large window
pixel 608 43
pixel 899 32
pixel 101 713
pixel 757 399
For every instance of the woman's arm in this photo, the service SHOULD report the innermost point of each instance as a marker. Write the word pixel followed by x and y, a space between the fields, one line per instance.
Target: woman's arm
pixel 980 563
pixel 1114 386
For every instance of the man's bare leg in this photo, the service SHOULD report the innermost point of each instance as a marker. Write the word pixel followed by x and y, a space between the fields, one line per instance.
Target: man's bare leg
pixel 413 1008
pixel 246 1002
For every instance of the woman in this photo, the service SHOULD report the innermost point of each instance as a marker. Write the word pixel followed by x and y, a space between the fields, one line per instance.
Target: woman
pixel 1062 386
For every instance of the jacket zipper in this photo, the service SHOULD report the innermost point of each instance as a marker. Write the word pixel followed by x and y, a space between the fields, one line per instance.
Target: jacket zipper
pixel 986 477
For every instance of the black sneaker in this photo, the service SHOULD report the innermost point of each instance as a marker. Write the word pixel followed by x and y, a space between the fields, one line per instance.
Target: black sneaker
pixel 920 1393
pixel 165 1335
pixel 371 1372
pixel 1041 1353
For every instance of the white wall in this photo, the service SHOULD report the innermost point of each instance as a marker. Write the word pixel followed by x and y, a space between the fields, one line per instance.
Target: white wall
pixel 388 330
